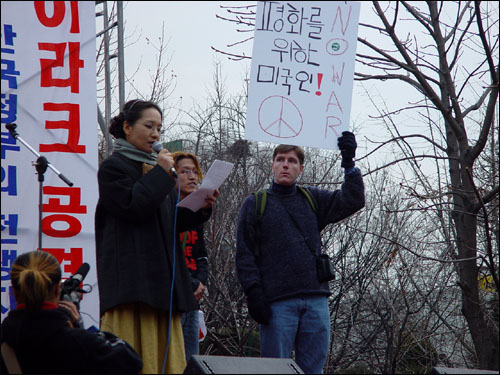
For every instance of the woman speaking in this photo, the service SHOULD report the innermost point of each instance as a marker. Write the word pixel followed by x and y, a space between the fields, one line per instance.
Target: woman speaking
pixel 144 284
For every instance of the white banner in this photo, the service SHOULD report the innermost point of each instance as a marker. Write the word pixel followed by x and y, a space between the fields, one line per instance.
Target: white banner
pixel 49 91
pixel 302 72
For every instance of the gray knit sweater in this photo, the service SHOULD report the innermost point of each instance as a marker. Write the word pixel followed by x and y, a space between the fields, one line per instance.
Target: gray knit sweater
pixel 286 267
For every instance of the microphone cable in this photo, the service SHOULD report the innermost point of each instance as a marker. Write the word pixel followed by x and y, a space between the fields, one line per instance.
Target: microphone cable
pixel 173 278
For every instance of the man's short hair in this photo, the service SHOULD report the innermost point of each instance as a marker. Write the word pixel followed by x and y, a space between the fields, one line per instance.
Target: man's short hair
pixel 283 149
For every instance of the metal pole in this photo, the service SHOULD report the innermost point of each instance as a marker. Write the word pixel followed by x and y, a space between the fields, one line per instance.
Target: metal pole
pixel 121 56
pixel 107 81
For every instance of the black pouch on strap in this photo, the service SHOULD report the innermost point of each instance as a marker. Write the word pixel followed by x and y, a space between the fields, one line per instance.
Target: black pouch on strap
pixel 324 267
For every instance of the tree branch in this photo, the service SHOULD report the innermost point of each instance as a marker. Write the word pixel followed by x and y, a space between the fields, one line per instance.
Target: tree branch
pixel 410 66
pixel 491 263
pixel 401 138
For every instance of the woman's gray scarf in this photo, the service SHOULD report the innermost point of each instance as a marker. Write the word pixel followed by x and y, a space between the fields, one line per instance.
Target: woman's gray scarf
pixel 121 146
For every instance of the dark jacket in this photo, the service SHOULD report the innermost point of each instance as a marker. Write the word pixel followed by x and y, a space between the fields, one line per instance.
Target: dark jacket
pixel 43 343
pixel 286 266
pixel 196 256
pixel 134 226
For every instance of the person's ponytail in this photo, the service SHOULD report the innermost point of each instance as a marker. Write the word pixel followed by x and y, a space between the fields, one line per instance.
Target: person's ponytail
pixel 34 287
pixel 34 276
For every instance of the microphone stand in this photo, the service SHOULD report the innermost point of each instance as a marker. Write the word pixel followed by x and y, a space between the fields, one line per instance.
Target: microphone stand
pixel 41 166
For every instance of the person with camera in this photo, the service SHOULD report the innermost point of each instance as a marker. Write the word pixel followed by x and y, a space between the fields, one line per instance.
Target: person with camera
pixel 41 330
pixel 278 251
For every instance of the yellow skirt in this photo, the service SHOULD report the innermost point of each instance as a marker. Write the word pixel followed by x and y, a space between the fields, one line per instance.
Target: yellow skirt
pixel 146 329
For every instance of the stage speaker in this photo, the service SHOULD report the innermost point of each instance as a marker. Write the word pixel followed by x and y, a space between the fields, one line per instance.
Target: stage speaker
pixel 460 371
pixel 215 364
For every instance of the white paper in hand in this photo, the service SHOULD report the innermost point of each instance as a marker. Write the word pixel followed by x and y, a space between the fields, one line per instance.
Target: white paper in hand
pixel 217 173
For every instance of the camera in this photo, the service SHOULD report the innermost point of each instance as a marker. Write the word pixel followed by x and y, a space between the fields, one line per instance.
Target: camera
pixel 71 291
pixel 70 288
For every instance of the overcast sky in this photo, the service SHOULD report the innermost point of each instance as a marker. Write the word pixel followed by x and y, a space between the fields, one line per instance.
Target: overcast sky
pixel 191 28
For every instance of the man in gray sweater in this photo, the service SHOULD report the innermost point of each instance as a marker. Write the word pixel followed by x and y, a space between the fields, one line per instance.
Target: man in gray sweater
pixel 276 256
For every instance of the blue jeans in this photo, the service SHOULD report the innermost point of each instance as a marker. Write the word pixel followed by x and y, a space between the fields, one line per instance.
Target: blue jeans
pixel 300 323
pixel 191 331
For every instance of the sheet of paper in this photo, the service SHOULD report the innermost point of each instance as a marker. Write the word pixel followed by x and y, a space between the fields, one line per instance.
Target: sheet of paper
pixel 217 173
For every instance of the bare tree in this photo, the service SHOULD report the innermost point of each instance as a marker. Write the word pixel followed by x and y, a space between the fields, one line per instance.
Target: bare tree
pixel 450 58
pixel 448 174
pixel 430 228
pixel 162 78
pixel 244 19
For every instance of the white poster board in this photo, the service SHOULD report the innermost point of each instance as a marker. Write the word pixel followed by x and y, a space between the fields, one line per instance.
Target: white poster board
pixel 49 92
pixel 302 72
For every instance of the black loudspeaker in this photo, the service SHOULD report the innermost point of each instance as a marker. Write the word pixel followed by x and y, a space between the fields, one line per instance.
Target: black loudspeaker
pixel 215 364
pixel 461 371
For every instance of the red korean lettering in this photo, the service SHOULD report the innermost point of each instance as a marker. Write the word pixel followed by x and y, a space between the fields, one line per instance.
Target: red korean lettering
pixel 73 226
pixel 47 65
pixel 70 261
pixel 55 205
pixel 72 125
pixel 58 14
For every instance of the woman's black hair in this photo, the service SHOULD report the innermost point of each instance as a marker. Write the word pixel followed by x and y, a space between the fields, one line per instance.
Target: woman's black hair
pixel 131 112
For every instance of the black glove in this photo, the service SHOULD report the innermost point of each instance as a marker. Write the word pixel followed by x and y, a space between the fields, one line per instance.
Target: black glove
pixel 257 305
pixel 347 146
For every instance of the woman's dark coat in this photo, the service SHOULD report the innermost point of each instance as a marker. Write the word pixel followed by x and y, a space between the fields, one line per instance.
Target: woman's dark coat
pixel 134 227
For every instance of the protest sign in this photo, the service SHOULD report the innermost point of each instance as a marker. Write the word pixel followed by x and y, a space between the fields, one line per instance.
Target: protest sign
pixel 302 72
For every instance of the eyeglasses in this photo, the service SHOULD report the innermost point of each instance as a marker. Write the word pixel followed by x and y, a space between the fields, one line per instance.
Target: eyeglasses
pixel 189 172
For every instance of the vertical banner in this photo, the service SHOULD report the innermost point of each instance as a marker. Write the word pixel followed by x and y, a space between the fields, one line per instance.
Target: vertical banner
pixel 302 72
pixel 48 75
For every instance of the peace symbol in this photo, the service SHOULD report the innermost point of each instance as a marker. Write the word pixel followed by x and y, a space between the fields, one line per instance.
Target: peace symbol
pixel 280 117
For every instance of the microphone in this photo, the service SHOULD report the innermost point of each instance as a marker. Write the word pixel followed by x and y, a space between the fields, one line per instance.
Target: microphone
pixel 157 147
pixel 74 281
pixel 70 288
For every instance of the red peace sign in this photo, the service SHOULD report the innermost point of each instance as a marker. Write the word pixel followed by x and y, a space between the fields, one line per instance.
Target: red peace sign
pixel 280 117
